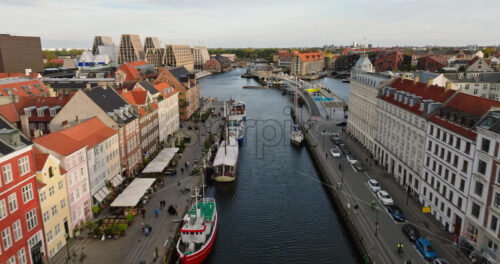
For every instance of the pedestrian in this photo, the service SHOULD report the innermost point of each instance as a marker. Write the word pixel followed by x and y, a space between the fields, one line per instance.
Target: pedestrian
pixel 182 171
pixel 155 254
pixel 142 226
pixel 143 213
pixel 156 212
pixel 178 183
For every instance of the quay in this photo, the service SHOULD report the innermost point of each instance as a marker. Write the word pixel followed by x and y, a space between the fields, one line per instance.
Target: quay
pixel 254 87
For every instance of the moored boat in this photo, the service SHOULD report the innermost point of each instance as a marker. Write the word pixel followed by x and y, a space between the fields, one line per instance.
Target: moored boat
pixel 296 135
pixel 226 160
pixel 238 109
pixel 197 235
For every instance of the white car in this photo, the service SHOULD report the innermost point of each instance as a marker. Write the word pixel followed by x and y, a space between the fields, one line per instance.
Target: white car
pixel 351 159
pixel 384 197
pixel 335 152
pixel 373 185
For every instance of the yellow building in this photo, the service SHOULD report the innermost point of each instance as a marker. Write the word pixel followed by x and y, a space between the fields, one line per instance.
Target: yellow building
pixel 54 206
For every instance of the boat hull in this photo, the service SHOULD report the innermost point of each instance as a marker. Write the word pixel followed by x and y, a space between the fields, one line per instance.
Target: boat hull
pixel 199 256
pixel 223 178
pixel 296 143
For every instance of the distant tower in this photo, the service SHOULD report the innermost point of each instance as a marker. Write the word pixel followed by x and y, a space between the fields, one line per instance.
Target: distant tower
pixel 130 49
pixel 101 41
pixel 362 65
pixel 151 43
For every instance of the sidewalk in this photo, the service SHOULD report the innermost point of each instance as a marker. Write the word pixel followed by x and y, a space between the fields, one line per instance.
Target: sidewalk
pixel 134 246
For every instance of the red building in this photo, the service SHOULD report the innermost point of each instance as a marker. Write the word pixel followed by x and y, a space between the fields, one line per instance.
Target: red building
pixel 22 239
pixel 390 61
pixel 431 63
pixel 128 74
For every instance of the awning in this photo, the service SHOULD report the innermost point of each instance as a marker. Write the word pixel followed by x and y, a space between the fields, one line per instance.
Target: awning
pixel 116 180
pixel 101 194
pixel 133 193
pixel 161 161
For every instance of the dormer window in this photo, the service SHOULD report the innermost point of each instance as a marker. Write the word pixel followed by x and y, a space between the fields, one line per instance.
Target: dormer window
pixel 40 112
pixel 27 110
pixel 53 110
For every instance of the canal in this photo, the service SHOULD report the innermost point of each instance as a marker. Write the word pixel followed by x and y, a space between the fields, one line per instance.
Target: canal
pixel 276 211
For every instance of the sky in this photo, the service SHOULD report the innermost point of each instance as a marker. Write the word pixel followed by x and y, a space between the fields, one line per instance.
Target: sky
pixel 256 23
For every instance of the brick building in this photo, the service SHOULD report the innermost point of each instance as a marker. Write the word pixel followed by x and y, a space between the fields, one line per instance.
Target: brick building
pixel 19 53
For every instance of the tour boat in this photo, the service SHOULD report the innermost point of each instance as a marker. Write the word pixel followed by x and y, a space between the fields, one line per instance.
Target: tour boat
pixel 238 109
pixel 296 136
pixel 236 127
pixel 226 160
pixel 198 231
pixel 346 80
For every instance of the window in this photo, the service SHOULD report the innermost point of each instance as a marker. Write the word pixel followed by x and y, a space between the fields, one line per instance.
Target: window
pixel 453 178
pixel 54 210
pixel 455 161
pixel 57 229
pixel 438 134
pixel 18 233
pixel 459 202
pixel 13 202
pixel 51 172
pixel 7 173
pixel 481 167
pixel 12 260
pixel 457 143
pixel 450 139
pixel 493 223
pixel 465 166
pixel 475 210
pixel 448 156
pixel 63 203
pixel 467 147
pixel 27 193
pixel 485 145
pixel 46 216
pixel 43 196
pixel 3 209
pixel 31 219
pixel 24 165
pixel 49 236
pixel 6 238
pixel 429 146
pixel 478 190
pixel 21 256
pixel 496 202
pixel 462 185
pixel 51 191
pixel 61 185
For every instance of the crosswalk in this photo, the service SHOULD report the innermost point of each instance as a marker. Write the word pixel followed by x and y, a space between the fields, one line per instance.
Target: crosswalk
pixel 327 133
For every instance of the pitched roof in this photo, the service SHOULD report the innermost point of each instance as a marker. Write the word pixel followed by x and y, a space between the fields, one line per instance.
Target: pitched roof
pixel 166 76
pixel 32 75
pixel 162 86
pixel 88 133
pixel 22 87
pixel 40 102
pixel 40 159
pixel 9 112
pixel 135 97
pixel 311 56
pixel 148 86
pixel 131 71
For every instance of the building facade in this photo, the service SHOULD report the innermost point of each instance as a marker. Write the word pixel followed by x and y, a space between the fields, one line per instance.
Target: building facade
pixel 20 217
pixel 101 41
pixel 130 49
pixel 151 43
pixel 155 56
pixel 201 56
pixel 306 64
pixel 54 205
pixel 168 111
pixel 179 56
pixel 218 64
pixel 20 53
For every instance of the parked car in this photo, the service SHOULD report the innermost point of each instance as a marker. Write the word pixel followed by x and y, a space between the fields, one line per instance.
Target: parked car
pixel 342 124
pixel 351 159
pixel 358 166
pixel 396 213
pixel 440 261
pixel 425 248
pixel 335 152
pixel 373 185
pixel 411 232
pixel 344 150
pixel 384 197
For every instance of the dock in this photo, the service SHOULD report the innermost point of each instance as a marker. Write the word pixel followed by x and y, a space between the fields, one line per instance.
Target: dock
pixel 255 87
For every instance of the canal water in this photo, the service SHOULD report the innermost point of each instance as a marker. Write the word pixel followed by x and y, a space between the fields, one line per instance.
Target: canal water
pixel 276 211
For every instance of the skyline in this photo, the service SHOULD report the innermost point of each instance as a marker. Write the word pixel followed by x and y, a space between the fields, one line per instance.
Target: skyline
pixel 254 24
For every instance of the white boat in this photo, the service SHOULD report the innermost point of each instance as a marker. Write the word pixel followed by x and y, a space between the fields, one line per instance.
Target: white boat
pixel 296 135
pixel 238 109
pixel 236 127
pixel 226 160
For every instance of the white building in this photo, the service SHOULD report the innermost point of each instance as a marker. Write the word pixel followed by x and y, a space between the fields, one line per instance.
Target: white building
pixel 201 56
pixel 168 111
pixel 482 84
pixel 363 92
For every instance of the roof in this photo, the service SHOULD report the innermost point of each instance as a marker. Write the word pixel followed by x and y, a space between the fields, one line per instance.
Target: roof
pixel 40 159
pixel 108 100
pixel 133 193
pixel 32 75
pixel 40 102
pixel 22 86
pixel 162 86
pixel 132 73
pixel 88 133
pixel 311 56
pixel 148 86
pixel 491 122
pixel 161 160
pixel 179 72
pixel 227 155
pixel 136 97
pixel 6 146
pixel 9 112
pixel 166 76
pixel 424 76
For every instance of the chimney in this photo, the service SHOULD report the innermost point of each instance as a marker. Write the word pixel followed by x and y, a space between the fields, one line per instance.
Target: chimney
pixel 64 124
pixel 448 85
pixel 429 82
pixel 416 80
pixel 77 120
pixel 87 86
pixel 27 72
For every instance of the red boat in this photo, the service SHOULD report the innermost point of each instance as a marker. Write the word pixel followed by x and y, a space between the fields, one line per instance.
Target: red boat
pixel 198 232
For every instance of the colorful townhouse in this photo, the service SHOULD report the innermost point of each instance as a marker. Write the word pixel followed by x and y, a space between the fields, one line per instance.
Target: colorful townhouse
pixel 21 231
pixel 72 157
pixel 53 197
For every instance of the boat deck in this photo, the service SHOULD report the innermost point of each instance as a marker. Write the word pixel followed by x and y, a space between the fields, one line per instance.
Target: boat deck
pixel 207 210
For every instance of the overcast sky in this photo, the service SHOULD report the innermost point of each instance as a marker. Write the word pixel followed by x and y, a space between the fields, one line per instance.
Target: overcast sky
pixel 256 23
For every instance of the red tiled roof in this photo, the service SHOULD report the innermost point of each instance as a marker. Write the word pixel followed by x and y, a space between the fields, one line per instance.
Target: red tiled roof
pixel 162 86
pixel 311 56
pixel 15 87
pixel 62 171
pixel 142 112
pixel 32 75
pixel 154 106
pixel 40 159
pixel 132 74
pixel 40 184
pixel 9 112
pixel 88 133
pixel 468 133
pixel 135 97
pixel 39 101
pixel 57 61
pixel 165 75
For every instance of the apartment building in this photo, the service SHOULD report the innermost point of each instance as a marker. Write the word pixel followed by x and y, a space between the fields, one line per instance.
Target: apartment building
pixel 18 53
pixel 306 64
pixel 402 112
pixel 151 43
pixel 482 84
pixel 154 56
pixel 107 105
pixel 54 205
pixel 179 56
pixel 449 158
pixel 101 41
pixel 72 157
pixel 201 56
pixel 218 64
pixel 168 111
pixel 364 89
pixel 20 218
pixel 130 49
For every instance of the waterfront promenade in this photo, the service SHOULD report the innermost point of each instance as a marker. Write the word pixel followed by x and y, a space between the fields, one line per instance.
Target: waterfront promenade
pixel 374 230
pixel 134 246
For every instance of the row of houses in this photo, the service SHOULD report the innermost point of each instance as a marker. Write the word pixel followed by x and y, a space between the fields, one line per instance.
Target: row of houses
pixel 63 154
pixel 441 144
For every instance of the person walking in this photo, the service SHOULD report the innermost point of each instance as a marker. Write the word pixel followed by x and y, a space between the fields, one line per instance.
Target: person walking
pixel 142 227
pixel 182 171
pixel 143 213
pixel 156 212
pixel 155 254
